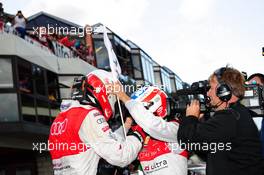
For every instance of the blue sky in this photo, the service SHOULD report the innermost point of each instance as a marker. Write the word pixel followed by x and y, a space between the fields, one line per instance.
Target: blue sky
pixel 191 37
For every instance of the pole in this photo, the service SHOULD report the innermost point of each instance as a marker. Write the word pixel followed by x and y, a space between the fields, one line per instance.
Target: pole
pixel 121 115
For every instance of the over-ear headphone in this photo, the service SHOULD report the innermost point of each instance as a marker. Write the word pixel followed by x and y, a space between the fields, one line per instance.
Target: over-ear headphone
pixel 223 90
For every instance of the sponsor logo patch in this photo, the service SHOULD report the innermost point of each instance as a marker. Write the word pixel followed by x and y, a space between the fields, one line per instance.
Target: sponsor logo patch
pixel 100 120
pixel 106 128
pixel 155 166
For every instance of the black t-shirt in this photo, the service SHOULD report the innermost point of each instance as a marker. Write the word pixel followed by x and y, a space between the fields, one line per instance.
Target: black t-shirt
pixel 232 140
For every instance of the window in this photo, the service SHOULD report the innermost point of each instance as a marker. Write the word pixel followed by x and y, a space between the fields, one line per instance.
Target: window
pixel 65 84
pixel 6 77
pixel 53 93
pixel 101 55
pixel 38 74
pixel 173 84
pixel 138 74
pixel 137 66
pixel 136 62
pixel 178 83
pixel 42 107
pixel 25 83
pixel 123 54
pixel 65 93
pixel 9 107
pixel 166 81
pixel 148 71
pixel 28 108
pixel 144 68
pixel 157 78
pixel 151 71
pixel 39 92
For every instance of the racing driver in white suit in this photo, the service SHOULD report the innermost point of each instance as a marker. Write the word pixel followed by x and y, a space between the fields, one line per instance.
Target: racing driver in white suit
pixel 161 153
pixel 80 134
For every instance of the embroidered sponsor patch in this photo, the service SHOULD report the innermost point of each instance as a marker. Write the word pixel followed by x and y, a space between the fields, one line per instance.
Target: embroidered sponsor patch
pixel 100 120
pixel 155 166
pixel 58 128
pixel 95 114
pixel 106 128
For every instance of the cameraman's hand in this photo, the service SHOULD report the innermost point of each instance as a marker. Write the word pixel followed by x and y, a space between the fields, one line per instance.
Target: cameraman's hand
pixel 193 109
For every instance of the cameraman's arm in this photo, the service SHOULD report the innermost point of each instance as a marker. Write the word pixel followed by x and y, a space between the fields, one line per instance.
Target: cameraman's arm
pixel 219 128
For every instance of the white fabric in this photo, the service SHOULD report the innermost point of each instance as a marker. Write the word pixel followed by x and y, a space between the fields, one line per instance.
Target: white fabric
pixel 167 164
pixel 20 22
pixel 120 132
pixel 104 143
pixel 156 127
pixel 114 64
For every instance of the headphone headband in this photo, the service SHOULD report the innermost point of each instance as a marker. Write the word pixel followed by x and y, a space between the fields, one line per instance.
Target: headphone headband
pixel 223 90
pixel 219 73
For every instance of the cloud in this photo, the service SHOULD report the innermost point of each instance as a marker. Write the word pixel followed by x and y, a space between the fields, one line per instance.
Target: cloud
pixel 191 37
pixel 194 10
pixel 120 16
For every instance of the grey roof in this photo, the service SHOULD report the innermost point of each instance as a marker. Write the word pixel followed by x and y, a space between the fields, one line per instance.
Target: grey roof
pixel 98 25
pixel 171 72
pixel 54 17
pixel 132 45
pixel 168 70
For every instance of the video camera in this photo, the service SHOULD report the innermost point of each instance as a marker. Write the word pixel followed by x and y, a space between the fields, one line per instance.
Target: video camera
pixel 198 90
pixel 254 99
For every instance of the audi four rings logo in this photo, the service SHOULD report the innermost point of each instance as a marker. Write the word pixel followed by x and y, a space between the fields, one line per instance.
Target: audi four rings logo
pixel 58 128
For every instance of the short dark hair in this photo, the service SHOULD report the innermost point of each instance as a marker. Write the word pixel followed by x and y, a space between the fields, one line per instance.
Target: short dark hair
pixel 233 78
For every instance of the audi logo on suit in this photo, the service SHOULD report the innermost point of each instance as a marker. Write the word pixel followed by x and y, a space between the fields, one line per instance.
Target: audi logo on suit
pixel 58 128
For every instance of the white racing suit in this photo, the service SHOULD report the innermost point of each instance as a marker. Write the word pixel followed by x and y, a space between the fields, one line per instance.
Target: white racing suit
pixel 79 136
pixel 161 154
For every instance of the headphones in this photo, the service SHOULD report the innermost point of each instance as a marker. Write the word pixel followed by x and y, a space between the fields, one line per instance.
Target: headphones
pixel 223 90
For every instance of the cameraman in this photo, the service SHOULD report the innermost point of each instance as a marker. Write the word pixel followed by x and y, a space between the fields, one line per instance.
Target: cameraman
pixel 258 78
pixel 231 127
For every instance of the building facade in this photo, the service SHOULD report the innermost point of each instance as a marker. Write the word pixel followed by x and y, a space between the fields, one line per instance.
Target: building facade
pixel 36 75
